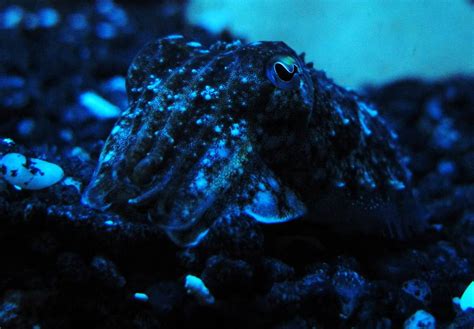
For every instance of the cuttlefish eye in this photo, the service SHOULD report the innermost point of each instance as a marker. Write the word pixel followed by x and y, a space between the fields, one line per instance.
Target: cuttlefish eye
pixel 283 72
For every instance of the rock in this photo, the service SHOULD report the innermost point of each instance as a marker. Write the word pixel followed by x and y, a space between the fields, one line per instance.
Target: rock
pixel 418 289
pixel 464 235
pixel 106 272
pixel 463 320
pixel 414 294
pixel 276 270
pixel 284 295
pixel 467 299
pixel 14 93
pixel 72 269
pixel 349 287
pixel 166 297
pixel 368 318
pixel 293 294
pixel 420 320
pixel 10 309
pixel 403 265
pixel 190 259
pixel 195 287
pixel 45 244
pixel 237 237
pixel 227 277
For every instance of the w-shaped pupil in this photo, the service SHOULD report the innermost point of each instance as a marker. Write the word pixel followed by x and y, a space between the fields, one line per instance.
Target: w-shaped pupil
pixel 283 73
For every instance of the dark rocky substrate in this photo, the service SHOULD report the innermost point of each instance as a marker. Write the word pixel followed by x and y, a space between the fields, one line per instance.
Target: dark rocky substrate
pixel 62 266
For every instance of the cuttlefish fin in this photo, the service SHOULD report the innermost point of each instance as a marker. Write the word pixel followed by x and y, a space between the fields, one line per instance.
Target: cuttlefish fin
pixel 268 200
pixel 228 181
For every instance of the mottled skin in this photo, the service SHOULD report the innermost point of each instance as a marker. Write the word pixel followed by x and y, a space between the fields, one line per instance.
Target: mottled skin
pixel 207 135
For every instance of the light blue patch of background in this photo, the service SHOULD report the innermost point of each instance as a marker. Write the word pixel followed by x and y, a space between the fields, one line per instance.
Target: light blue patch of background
pixel 356 42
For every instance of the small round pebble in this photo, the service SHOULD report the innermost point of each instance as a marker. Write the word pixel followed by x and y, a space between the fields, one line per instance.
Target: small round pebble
pixel 420 320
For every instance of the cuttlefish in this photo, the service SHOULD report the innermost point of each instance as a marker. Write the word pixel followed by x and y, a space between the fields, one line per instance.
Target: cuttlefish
pixel 249 130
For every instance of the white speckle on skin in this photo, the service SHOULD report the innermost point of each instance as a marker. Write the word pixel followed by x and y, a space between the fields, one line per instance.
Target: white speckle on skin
pixel 235 130
pixel 274 184
pixel 373 113
pixel 201 182
pixel 154 85
pixel 108 156
pixel 396 184
pixel 222 152
pixel 209 93
pixel 116 130
pixel 363 124
pixel 338 109
pixel 265 199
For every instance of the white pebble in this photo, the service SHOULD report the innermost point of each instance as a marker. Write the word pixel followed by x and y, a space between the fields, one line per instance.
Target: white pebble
pixel 195 287
pixel 98 106
pixel 29 174
pixel 467 299
pixel 421 319
pixel 141 297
